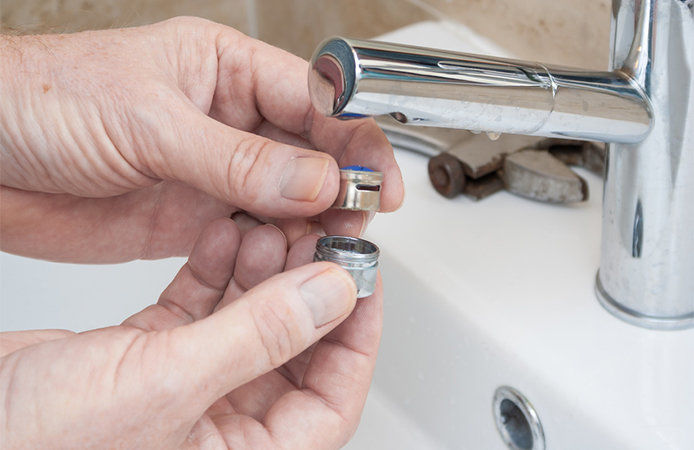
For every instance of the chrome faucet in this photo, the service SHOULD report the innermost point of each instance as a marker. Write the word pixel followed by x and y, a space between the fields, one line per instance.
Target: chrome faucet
pixel 643 108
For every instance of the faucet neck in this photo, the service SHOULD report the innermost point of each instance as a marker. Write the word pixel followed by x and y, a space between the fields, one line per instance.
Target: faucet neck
pixel 647 240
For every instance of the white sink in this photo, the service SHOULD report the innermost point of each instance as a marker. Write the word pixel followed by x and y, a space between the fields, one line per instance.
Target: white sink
pixel 500 292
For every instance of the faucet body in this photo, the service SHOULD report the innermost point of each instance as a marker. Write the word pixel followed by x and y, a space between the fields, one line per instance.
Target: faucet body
pixel 646 271
pixel 643 108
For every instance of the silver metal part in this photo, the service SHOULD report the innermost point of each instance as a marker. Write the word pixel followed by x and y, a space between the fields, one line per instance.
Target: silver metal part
pixel 517 421
pixel 538 175
pixel 360 190
pixel 644 109
pixel 428 141
pixel 422 86
pixel 358 256
pixel 646 272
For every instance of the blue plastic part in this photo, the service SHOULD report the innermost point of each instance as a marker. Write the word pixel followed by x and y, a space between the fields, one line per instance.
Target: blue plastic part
pixel 351 116
pixel 358 168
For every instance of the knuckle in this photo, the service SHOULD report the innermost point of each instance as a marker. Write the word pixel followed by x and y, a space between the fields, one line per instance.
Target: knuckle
pixel 245 171
pixel 274 329
pixel 190 28
pixel 188 22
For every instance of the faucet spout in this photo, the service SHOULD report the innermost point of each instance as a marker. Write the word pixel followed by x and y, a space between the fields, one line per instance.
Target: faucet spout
pixel 421 86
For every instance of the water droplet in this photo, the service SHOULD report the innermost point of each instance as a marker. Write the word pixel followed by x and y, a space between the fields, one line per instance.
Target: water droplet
pixel 493 135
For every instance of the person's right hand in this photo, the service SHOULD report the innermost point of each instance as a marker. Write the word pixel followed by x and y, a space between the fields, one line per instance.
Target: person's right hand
pixel 233 354
pixel 123 144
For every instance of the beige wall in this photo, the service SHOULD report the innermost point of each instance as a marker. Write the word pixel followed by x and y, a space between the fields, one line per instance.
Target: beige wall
pixel 553 31
pixel 59 16
pixel 299 25
pixel 569 32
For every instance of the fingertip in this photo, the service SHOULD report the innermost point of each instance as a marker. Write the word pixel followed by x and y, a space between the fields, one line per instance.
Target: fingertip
pixel 308 183
pixel 330 295
pixel 311 179
pixel 304 177
pixel 245 222
pixel 393 190
pixel 329 190
pixel 276 232
pixel 261 255
pixel 301 252
pixel 215 251
pixel 221 232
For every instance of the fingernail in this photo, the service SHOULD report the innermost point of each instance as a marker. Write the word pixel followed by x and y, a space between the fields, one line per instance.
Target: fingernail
pixel 279 230
pixel 328 295
pixel 303 178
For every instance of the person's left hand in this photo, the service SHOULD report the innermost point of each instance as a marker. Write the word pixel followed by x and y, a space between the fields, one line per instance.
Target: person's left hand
pixel 221 359
pixel 123 144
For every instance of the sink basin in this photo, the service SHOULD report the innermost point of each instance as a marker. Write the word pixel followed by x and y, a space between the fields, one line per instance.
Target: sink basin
pixel 500 292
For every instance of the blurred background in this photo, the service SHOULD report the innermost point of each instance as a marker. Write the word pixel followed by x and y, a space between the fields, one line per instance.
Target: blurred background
pixel 547 30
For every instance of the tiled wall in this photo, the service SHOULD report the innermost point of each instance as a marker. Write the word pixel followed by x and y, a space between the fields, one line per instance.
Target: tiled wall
pixel 565 32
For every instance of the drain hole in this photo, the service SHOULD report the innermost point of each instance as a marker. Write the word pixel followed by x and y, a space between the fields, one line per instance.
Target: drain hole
pixel 516 425
pixel 517 421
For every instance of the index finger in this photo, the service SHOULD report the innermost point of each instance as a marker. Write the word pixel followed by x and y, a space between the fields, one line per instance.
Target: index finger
pixel 257 82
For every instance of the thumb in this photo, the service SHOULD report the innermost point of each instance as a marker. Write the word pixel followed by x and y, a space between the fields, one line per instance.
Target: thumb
pixel 263 329
pixel 251 172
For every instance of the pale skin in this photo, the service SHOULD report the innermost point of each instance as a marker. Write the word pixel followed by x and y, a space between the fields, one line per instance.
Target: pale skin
pixel 142 143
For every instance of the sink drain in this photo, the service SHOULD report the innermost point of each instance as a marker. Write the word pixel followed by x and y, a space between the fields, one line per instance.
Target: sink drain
pixel 517 421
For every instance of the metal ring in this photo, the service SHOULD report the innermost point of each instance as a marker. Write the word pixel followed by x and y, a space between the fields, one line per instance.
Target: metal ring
pixel 358 256
pixel 360 190
pixel 517 421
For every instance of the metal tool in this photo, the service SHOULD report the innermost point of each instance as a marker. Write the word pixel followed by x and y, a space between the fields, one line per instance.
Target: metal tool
pixel 643 108
pixel 469 164
pixel 589 155
pixel 538 175
pixel 448 178
pixel 360 189
pixel 358 256
pixel 481 156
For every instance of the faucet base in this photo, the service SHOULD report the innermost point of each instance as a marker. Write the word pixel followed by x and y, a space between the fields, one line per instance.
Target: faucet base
pixel 635 318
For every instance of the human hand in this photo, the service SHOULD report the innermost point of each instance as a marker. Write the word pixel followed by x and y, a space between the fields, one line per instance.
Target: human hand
pixel 225 358
pixel 123 144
